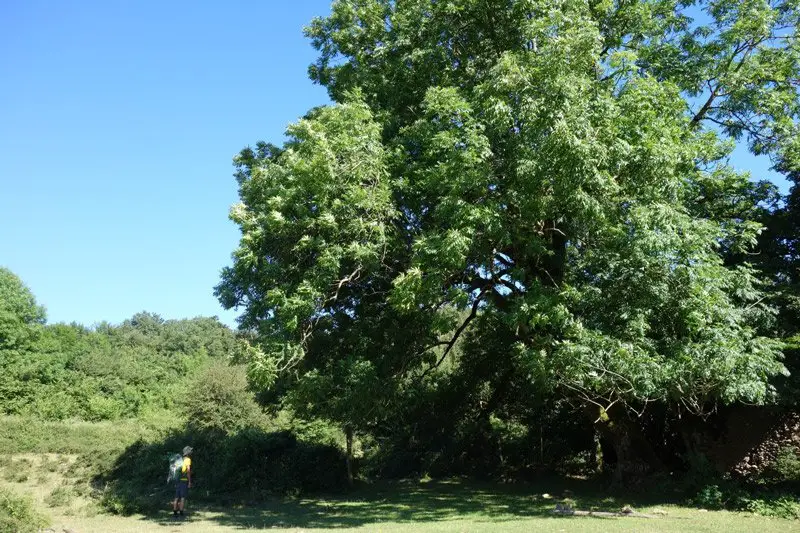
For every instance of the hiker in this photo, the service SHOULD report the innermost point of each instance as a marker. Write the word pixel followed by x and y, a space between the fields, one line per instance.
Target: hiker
pixel 184 483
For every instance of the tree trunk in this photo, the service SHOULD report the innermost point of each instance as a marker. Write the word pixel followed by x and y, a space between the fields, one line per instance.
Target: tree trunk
pixel 348 432
pixel 634 456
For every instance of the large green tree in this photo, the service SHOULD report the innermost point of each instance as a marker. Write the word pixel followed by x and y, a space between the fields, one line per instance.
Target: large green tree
pixel 550 175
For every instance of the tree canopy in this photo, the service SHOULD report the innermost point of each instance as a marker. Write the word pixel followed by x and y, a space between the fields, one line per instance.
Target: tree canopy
pixel 542 182
pixel 19 313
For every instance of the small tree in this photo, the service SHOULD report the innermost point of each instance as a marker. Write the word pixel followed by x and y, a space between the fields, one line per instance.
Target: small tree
pixel 20 316
pixel 217 399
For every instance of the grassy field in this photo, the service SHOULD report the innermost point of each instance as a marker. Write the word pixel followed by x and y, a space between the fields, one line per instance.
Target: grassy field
pixel 453 508
pixel 223 521
pixel 47 462
pixel 406 506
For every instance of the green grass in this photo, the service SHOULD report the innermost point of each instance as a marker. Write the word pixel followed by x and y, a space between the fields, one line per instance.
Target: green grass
pixel 444 506
pixel 60 497
pixel 453 505
pixel 17 470
pixel 51 457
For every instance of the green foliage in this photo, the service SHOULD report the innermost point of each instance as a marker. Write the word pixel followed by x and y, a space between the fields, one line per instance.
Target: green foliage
pixel 315 432
pixel 246 466
pixel 713 497
pixel 480 419
pixel 786 467
pixel 218 399
pixel 19 313
pixel 112 372
pixel 755 500
pixel 549 194
pixel 17 514
pixel 774 494
pixel 784 506
pixel 30 435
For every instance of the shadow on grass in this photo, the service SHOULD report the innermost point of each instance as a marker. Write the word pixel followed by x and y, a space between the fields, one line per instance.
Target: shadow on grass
pixel 252 465
pixel 406 502
pixel 241 482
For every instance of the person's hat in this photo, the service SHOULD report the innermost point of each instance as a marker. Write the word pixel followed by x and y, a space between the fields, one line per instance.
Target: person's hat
pixel 187 450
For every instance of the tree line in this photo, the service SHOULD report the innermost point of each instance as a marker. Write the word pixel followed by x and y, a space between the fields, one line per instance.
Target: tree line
pixel 107 372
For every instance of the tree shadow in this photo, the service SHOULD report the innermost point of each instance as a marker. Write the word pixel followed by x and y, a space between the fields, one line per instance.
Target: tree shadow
pixel 250 466
pixel 407 502
pixel 258 479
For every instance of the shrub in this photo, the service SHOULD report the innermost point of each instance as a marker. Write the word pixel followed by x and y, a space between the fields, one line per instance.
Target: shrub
pixel 245 466
pixel 17 471
pixel 710 497
pixel 218 399
pixel 17 514
pixel 783 506
pixel 786 467
pixel 754 499
pixel 60 497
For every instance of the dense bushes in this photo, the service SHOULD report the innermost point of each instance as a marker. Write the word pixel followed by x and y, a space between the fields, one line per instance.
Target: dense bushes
pixel 771 493
pixel 239 454
pixel 499 444
pixel 749 498
pixel 25 435
pixel 246 466
pixel 110 372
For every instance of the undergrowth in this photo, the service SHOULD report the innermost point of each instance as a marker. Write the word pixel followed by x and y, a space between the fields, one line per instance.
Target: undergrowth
pixel 18 515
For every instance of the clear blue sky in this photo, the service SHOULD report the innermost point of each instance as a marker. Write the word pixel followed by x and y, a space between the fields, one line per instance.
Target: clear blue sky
pixel 118 122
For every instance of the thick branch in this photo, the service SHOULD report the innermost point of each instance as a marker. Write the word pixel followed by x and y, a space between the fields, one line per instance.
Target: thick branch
pixel 700 115
pixel 473 313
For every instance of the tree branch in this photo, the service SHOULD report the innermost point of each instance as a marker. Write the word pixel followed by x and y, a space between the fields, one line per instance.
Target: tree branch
pixel 452 342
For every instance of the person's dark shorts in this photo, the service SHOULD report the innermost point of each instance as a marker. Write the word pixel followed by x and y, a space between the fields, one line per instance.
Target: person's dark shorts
pixel 182 490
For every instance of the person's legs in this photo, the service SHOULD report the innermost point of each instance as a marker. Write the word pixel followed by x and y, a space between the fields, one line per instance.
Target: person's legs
pixel 181 492
pixel 180 496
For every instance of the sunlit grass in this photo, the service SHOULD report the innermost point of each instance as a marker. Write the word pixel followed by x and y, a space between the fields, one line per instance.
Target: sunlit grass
pixel 445 506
